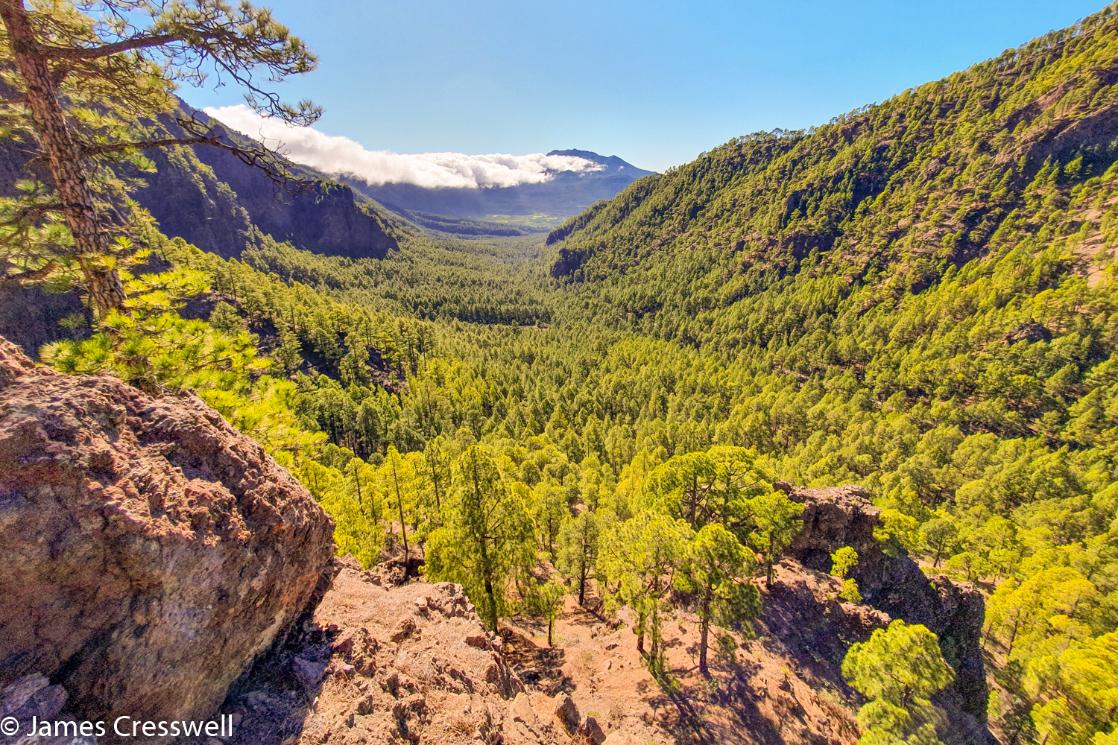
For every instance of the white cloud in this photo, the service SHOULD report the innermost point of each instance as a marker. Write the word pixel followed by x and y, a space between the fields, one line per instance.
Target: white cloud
pixel 340 155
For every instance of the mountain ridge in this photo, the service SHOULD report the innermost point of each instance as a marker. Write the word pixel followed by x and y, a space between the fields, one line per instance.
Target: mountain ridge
pixel 778 197
pixel 210 198
pixel 565 194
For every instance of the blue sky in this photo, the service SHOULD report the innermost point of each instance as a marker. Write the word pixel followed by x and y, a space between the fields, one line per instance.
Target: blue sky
pixel 654 82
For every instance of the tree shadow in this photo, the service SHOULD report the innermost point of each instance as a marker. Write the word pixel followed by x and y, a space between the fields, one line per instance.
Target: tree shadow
pixel 538 666
pixel 273 699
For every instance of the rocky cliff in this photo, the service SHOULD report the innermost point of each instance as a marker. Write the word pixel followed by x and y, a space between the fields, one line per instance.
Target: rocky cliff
pixel 208 197
pixel 891 582
pixel 151 551
pixel 31 317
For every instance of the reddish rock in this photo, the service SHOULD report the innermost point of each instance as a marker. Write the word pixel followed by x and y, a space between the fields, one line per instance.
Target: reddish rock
pixel 591 732
pixel 567 713
pixel 151 551
pixel 891 581
pixel 430 686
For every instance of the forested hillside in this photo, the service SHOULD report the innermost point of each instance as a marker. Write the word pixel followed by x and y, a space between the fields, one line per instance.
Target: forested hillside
pixel 918 298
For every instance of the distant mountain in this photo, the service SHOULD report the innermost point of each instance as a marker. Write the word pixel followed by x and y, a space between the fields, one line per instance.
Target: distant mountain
pixel 210 198
pixel 566 193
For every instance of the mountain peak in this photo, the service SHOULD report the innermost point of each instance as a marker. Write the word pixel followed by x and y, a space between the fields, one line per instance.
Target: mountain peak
pixel 610 161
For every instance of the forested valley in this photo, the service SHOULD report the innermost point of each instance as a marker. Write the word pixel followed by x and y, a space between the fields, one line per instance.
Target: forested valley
pixel 918 298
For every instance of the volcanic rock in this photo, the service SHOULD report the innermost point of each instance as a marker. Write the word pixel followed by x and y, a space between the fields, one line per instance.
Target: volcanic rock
pixel 890 581
pixel 151 551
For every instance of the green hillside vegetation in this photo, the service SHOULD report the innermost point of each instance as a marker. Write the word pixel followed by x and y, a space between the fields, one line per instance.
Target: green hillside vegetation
pixel 919 297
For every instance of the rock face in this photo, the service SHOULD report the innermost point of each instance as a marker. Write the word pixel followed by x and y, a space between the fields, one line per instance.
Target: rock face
pixel 893 583
pixel 210 198
pixel 394 664
pixel 151 551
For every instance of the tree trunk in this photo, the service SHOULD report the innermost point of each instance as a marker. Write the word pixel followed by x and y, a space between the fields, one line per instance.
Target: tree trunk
pixel 64 159
pixel 403 526
pixel 704 633
pixel 582 586
pixel 357 482
pixel 769 563
pixel 435 483
pixel 492 596
pixel 1012 635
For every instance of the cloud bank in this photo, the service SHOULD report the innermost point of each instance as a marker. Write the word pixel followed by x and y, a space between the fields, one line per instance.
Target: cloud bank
pixel 342 156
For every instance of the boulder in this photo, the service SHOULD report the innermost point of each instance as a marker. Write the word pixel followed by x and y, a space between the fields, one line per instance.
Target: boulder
pixel 567 713
pixel 591 732
pixel 151 551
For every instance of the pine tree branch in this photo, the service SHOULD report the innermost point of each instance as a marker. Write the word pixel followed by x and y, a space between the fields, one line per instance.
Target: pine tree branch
pixel 140 41
pixel 32 275
pixel 117 147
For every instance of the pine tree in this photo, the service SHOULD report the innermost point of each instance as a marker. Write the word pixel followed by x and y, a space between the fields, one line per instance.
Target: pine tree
pixel 843 561
pixel 639 560
pixel 775 520
pixel 83 79
pixel 486 537
pixel 550 512
pixel 715 563
pixel 578 549
pixel 399 483
pixel 546 601
pixel 898 669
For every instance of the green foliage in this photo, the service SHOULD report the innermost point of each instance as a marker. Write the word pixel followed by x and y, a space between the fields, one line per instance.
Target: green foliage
pixel 486 535
pixel 1079 693
pixel 550 512
pixel 545 601
pixel 843 560
pixel 939 536
pixel 898 669
pixel 638 561
pixel 775 521
pixel 715 562
pixel 579 544
pixel 86 85
pixel 900 664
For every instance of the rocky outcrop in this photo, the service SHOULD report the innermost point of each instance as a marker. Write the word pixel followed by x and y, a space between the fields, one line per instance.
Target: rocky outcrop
pixel 151 551
pixel 33 699
pixel 890 581
pixel 379 663
pixel 209 197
